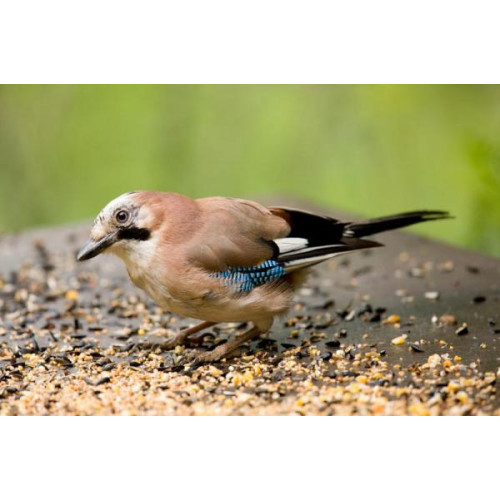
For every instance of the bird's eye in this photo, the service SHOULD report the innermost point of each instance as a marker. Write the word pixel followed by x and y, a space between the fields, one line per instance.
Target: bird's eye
pixel 122 216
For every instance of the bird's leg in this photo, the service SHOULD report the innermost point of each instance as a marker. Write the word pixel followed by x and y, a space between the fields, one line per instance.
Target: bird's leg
pixel 223 350
pixel 181 337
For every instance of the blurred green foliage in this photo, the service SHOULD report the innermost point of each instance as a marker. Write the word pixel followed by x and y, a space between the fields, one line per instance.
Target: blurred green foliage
pixel 65 151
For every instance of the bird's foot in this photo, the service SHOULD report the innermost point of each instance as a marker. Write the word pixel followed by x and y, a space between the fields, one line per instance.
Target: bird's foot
pixel 222 351
pixel 178 339
pixel 200 358
pixel 171 343
pixel 183 336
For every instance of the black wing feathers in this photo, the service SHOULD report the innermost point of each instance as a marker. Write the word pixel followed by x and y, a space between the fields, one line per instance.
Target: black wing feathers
pixel 317 229
pixel 324 236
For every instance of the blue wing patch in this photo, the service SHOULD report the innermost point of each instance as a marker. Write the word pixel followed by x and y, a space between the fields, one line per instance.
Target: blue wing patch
pixel 245 279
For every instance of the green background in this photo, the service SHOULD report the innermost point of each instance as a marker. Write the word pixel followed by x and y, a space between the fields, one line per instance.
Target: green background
pixel 65 151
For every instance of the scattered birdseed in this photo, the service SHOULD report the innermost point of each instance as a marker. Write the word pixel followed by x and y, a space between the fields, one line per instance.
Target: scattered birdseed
pixel 80 339
pixel 463 330
pixel 448 319
pixel 432 295
pixel 72 295
pixel 446 267
pixel 416 348
pixel 399 340
pixel 392 319
pixel 350 315
pixel 434 360
pixel 416 272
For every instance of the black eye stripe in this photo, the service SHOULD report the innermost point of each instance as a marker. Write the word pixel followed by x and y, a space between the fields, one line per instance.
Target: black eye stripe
pixel 134 233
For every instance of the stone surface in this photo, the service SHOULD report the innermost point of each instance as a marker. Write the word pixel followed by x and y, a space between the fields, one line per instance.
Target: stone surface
pixel 406 303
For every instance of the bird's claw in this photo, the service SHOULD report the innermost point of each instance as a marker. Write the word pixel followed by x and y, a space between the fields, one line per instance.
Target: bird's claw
pixel 195 364
pixel 170 344
pixel 198 358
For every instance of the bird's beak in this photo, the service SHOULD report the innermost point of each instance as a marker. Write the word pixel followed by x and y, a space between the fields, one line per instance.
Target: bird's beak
pixel 93 248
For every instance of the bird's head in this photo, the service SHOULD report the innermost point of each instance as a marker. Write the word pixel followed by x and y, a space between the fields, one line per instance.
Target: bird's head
pixel 121 227
pixel 134 224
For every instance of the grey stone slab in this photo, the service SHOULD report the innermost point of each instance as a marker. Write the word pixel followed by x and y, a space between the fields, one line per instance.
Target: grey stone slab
pixel 412 277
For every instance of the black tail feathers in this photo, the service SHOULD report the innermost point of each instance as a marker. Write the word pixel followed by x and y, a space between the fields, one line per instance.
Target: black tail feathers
pixel 379 225
pixel 314 238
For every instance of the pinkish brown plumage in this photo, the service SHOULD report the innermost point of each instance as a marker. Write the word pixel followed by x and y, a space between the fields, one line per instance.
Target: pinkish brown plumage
pixel 224 259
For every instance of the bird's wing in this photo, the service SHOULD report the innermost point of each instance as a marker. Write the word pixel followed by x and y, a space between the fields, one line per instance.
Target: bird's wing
pixel 235 233
pixel 248 245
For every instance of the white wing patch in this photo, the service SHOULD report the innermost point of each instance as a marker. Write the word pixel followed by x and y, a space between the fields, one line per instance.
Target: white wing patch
pixel 295 253
pixel 309 261
pixel 286 245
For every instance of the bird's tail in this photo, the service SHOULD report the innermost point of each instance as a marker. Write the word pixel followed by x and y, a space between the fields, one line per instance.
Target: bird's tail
pixel 314 238
pixel 381 224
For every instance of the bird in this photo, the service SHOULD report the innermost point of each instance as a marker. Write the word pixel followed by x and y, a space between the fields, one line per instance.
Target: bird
pixel 222 259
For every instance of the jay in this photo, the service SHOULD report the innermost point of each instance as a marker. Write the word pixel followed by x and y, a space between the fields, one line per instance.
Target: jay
pixel 225 259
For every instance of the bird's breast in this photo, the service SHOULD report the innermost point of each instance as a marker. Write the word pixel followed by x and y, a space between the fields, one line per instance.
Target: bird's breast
pixel 192 292
pixel 172 288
